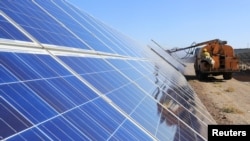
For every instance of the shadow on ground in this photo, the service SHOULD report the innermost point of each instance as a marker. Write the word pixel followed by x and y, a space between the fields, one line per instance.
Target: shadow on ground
pixel 208 79
pixel 243 76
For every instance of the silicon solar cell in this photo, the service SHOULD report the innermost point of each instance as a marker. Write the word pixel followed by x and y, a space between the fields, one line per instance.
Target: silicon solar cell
pixel 7 121
pixel 120 91
pixel 8 31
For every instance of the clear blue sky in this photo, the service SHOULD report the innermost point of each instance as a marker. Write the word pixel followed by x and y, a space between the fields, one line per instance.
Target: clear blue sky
pixel 174 23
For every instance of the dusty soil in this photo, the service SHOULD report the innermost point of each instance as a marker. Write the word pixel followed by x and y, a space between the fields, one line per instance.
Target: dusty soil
pixel 228 101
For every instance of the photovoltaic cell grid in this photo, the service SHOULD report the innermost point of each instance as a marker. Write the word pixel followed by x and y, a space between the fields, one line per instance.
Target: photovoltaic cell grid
pixel 118 91
pixel 8 31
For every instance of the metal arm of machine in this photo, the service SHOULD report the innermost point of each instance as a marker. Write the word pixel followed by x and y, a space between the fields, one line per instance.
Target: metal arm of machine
pixel 198 44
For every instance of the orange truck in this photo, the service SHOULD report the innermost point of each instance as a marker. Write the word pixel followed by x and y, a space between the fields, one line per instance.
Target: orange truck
pixel 224 62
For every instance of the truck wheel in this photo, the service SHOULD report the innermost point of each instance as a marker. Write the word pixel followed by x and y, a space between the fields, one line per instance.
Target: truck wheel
pixel 196 73
pixel 227 76
pixel 202 76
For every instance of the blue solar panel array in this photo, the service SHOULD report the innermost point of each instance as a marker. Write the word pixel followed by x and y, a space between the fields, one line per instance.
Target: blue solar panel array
pixel 78 79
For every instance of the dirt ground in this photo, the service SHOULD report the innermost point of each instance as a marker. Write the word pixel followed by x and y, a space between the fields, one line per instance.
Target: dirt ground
pixel 228 101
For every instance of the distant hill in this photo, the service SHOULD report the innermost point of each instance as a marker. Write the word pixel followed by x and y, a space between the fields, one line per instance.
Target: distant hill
pixel 243 54
pixel 242 50
pixel 244 57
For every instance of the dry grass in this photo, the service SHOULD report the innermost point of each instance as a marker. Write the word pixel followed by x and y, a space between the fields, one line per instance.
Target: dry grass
pixel 217 84
pixel 217 93
pixel 230 89
pixel 230 109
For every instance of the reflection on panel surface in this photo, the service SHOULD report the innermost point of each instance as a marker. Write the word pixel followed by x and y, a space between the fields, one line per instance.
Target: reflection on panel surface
pixel 87 81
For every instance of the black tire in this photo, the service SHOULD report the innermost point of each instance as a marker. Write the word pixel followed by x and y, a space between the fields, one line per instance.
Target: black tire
pixel 202 76
pixel 197 74
pixel 227 76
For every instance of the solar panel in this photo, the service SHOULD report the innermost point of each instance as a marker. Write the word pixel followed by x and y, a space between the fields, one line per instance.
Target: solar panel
pixel 67 76
pixel 13 33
